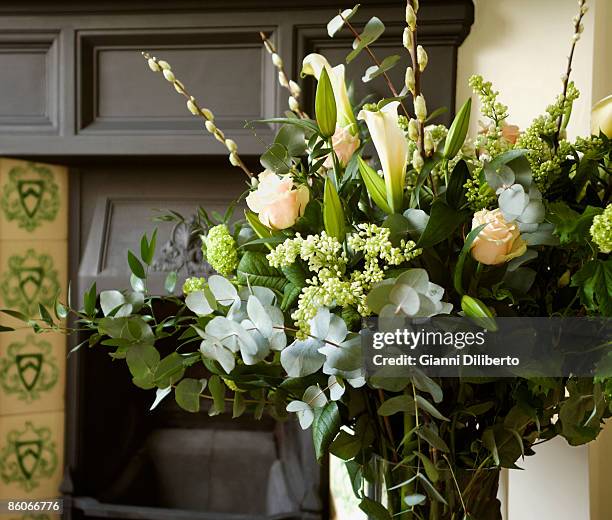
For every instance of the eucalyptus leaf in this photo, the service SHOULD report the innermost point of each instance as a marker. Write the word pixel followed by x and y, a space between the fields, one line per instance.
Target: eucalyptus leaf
pixel 337 22
pixel 371 32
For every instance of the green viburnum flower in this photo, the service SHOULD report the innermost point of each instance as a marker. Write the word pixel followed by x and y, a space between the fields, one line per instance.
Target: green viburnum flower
pixel 193 284
pixel 332 286
pixel 219 248
pixel 601 230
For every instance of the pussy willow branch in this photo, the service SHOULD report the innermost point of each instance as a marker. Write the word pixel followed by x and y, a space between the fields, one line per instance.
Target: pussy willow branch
pixel 576 36
pixel 196 110
pixel 376 62
pixel 293 88
pixel 417 81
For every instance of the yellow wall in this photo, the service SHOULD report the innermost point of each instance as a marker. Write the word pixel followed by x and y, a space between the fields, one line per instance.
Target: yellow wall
pixel 33 268
pixel 521 46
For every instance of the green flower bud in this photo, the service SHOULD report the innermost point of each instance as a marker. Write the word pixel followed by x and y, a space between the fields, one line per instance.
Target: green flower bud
pixel 233 159
pixel 428 142
pixel 407 38
pixel 420 108
pixel 411 18
pixel 153 65
pixel 422 58
pixel 277 60
pixel 210 126
pixel 293 104
pixel 169 75
pixel 410 80
pixel 413 130
pixel 208 114
pixel 192 107
pixel 417 161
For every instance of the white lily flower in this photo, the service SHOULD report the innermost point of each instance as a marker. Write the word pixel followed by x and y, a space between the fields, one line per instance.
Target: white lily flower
pixel 392 148
pixel 312 66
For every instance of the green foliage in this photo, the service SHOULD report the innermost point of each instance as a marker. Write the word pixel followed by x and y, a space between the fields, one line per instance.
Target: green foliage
pixel 254 269
pixel 594 282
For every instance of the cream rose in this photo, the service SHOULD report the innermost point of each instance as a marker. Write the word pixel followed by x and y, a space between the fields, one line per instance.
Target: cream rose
pixel 275 201
pixel 499 241
pixel 345 144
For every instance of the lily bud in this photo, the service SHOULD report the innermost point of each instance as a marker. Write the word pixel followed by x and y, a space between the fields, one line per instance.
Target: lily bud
pixel 295 89
pixel 417 161
pixel 422 58
pixel 208 114
pixel 210 126
pixel 293 104
pixel 193 108
pixel 410 80
pixel 410 17
pixel 169 75
pixel 413 130
pixel 164 65
pixel 153 65
pixel 420 108
pixel 277 61
pixel 415 4
pixel 233 159
pixel 231 145
pixel 407 38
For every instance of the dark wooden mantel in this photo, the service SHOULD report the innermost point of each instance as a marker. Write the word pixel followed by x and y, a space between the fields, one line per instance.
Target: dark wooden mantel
pixel 73 82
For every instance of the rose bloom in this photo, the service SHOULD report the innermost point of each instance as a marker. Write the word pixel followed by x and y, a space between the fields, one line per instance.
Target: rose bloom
pixel 345 144
pixel 275 201
pixel 499 241
pixel 510 133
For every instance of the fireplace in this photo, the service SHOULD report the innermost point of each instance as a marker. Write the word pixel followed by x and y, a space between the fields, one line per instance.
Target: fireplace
pixel 131 147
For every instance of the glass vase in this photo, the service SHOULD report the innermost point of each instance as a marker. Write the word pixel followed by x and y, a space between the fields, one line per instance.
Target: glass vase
pixel 463 491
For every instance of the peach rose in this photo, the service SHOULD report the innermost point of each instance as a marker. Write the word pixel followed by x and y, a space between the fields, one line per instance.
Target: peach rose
pixel 510 133
pixel 499 241
pixel 345 144
pixel 275 201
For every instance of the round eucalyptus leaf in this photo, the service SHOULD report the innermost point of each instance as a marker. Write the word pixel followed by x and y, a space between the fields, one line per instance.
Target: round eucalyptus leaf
pixel 198 303
pixel 302 358
pixel 315 397
pixel 406 299
pixel 512 201
pixel 111 300
pixel 418 279
pixel 223 290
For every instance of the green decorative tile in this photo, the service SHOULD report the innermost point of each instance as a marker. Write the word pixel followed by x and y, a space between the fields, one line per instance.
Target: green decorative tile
pixel 31 372
pixel 33 200
pixel 31 455
pixel 31 274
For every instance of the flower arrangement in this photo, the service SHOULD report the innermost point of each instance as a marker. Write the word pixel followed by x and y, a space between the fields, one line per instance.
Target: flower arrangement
pixel 433 223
